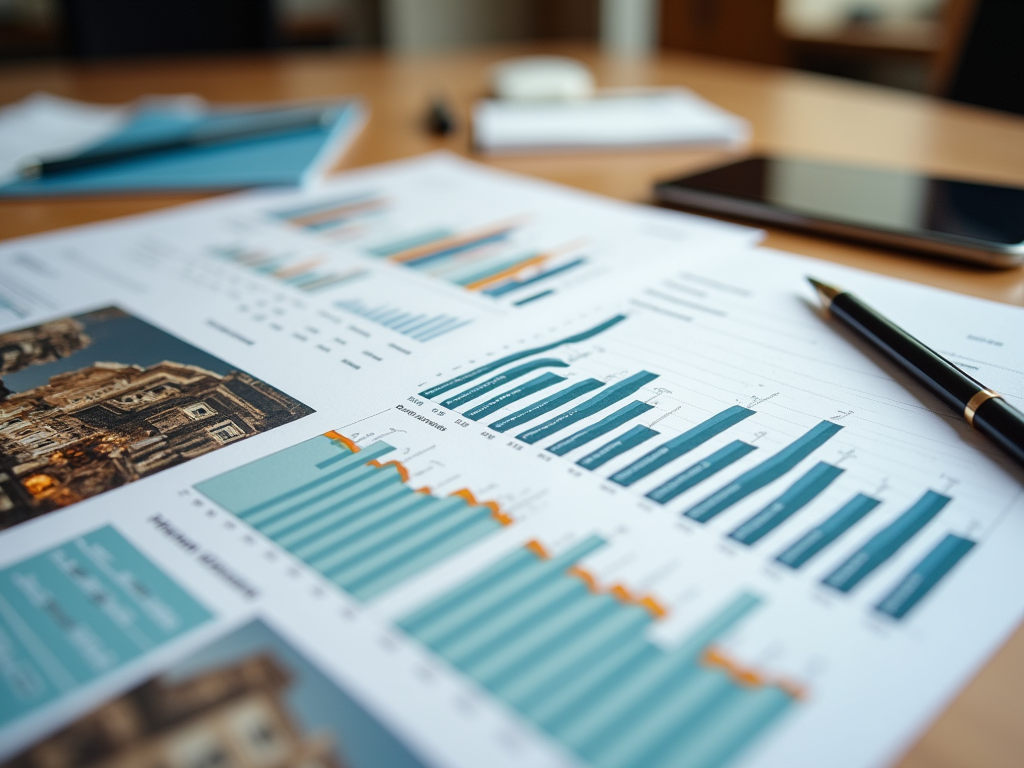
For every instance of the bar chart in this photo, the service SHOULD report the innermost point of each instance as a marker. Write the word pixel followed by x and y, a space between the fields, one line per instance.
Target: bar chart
pixel 420 326
pixel 490 260
pixel 355 520
pixel 303 273
pixel 536 631
pixel 612 426
pixel 329 216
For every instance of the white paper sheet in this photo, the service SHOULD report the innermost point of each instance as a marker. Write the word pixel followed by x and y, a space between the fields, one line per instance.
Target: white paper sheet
pixel 710 639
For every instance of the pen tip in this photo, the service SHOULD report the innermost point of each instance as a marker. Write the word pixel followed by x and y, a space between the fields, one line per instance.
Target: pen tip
pixel 825 291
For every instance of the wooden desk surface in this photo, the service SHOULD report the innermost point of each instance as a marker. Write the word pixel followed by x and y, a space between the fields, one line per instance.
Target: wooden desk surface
pixel 791 112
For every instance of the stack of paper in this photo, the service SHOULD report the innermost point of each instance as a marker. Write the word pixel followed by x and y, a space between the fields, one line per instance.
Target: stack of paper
pixel 442 466
pixel 613 119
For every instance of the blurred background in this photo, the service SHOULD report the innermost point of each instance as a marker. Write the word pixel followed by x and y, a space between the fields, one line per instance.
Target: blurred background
pixel 908 44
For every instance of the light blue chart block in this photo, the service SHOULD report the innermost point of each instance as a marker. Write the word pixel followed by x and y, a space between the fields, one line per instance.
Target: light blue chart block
pixel 77 612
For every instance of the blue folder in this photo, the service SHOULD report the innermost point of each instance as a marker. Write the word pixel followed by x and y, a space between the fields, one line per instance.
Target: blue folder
pixel 294 158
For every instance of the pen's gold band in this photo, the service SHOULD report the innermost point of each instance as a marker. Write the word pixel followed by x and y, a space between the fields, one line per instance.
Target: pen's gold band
pixel 975 403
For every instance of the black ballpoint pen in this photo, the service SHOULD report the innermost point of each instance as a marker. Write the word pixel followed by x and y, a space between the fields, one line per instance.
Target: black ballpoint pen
pixel 985 410
pixel 238 126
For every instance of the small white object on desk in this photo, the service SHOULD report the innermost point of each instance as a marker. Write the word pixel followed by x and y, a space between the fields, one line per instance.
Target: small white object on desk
pixel 532 78
pixel 614 119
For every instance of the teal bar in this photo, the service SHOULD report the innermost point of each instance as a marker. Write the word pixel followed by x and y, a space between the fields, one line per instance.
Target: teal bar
pixel 546 405
pixel 332 528
pixel 564 705
pixel 605 399
pixel 351 542
pixel 561 666
pixel 488 598
pixel 624 442
pixel 483 370
pixel 683 709
pixel 677 446
pixel 344 560
pixel 595 722
pixel 792 500
pixel 508 657
pixel 436 610
pixel 819 537
pixel 701 471
pixel 732 727
pixel 923 577
pixel 513 395
pixel 275 519
pixel 429 554
pixel 378 490
pixel 769 470
pixel 284 475
pixel 414 241
pixel 481 638
pixel 418 552
pixel 364 480
pixel 602 427
pixel 886 543
pixel 502 378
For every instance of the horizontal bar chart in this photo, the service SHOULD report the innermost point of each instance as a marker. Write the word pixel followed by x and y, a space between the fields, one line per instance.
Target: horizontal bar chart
pixel 546 405
pixel 886 542
pixel 330 214
pixel 600 428
pixel 501 379
pixel 768 471
pixel 537 631
pixel 608 397
pixel 686 442
pixel 923 577
pixel 483 370
pixel 419 326
pixel 701 471
pixel 819 537
pixel 356 521
pixel 794 498
pixel 513 395
pixel 508 286
pixel 301 274
pixel 627 441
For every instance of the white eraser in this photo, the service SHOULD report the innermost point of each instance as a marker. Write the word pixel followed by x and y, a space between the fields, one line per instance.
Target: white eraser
pixel 534 78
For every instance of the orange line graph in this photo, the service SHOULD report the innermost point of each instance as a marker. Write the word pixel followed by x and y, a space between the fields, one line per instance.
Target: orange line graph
pixel 453 241
pixel 620 592
pixel 285 272
pixel 340 210
pixel 343 440
pixel 402 471
pixel 522 266
pixel 748 676
pixel 496 512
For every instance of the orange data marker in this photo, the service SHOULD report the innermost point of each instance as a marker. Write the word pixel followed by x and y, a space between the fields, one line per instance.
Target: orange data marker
pixel 538 549
pixel 585 576
pixel 297 269
pixel 656 609
pixel 343 440
pixel 747 676
pixel 499 276
pixel 425 489
pixel 496 512
pixel 402 471
pixel 621 593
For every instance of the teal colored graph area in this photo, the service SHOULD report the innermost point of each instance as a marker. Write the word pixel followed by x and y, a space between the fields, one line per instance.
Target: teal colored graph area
pixel 577 663
pixel 354 519
pixel 79 611
pixel 483 370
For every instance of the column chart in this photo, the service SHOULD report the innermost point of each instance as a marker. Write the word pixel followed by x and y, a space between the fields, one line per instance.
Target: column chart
pixel 339 509
pixel 575 398
pixel 573 659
